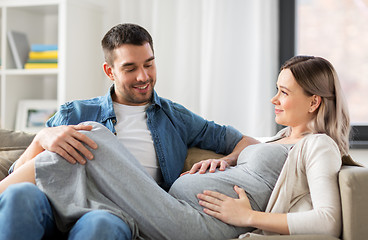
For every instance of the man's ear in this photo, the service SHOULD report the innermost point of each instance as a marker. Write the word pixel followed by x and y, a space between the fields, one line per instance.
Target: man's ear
pixel 108 71
pixel 315 103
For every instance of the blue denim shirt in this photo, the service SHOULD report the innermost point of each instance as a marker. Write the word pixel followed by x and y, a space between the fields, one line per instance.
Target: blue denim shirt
pixel 174 129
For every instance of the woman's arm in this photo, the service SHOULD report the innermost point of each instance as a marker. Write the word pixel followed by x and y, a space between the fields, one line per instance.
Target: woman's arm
pixel 33 150
pixel 238 212
pixel 322 163
pixel 25 173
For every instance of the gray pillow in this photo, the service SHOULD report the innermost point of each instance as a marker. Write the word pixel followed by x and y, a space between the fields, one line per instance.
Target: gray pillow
pixel 12 145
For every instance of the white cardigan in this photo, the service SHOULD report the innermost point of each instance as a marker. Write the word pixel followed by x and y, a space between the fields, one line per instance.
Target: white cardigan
pixel 307 188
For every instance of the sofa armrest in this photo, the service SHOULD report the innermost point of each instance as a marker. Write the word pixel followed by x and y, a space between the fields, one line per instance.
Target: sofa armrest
pixel 354 199
pixel 290 237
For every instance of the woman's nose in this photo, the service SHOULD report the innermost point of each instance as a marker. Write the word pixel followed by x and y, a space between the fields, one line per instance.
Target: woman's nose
pixel 274 99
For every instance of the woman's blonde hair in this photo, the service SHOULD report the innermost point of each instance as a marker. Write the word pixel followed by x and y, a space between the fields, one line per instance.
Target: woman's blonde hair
pixel 317 76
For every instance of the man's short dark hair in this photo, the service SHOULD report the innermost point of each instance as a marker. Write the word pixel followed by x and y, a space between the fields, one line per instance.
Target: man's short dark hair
pixel 126 33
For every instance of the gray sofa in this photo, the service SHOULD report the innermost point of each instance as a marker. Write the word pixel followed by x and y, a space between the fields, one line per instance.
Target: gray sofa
pixel 353 186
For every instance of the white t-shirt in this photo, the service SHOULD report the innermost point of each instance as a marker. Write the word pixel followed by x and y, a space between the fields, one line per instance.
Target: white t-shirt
pixel 132 131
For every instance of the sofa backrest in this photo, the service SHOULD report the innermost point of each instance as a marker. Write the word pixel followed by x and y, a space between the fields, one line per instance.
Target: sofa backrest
pixel 12 145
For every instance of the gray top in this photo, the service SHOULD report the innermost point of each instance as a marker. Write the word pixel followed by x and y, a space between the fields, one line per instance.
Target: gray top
pixel 263 164
pixel 257 171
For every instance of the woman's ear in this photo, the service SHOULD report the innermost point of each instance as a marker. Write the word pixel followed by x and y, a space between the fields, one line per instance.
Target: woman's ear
pixel 315 103
pixel 108 71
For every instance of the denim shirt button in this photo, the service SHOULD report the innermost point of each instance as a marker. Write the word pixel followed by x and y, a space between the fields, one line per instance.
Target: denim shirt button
pixel 113 121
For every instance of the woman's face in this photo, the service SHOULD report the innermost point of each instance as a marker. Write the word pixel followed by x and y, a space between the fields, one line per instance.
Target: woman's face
pixel 292 105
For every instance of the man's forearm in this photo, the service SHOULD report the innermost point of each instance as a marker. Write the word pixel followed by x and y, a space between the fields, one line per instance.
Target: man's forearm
pixel 244 142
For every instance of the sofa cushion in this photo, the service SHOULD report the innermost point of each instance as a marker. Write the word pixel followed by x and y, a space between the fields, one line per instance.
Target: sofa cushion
pixel 12 145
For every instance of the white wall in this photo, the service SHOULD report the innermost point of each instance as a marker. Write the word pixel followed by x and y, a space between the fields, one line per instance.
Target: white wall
pixel 360 155
pixel 142 11
pixel 217 58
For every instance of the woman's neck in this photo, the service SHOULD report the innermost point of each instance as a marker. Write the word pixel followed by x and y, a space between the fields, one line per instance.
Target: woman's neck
pixel 297 133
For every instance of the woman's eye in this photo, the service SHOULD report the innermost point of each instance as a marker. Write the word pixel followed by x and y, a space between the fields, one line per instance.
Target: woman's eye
pixel 279 90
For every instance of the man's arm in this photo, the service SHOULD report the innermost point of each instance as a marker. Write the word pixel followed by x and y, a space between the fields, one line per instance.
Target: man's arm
pixel 63 140
pixel 223 163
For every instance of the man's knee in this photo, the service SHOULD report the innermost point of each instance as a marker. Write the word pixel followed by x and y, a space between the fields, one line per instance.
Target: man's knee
pixel 101 224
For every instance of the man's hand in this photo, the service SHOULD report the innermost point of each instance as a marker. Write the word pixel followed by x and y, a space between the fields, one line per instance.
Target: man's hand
pixel 225 162
pixel 67 142
pixel 211 164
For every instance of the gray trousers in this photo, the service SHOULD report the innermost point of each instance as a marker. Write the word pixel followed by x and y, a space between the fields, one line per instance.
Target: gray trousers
pixel 116 182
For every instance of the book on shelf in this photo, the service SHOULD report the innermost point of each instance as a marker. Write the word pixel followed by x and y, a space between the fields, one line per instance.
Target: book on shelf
pixel 40 65
pixel 43 47
pixel 44 55
pixel 19 47
pixel 42 61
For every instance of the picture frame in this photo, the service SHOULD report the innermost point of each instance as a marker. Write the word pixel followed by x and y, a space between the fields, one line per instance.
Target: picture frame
pixel 33 114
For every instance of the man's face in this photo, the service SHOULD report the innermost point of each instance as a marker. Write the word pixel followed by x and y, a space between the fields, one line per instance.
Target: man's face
pixel 134 74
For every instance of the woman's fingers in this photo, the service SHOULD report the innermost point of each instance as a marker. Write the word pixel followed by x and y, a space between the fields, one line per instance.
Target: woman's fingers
pixel 240 192
pixel 212 196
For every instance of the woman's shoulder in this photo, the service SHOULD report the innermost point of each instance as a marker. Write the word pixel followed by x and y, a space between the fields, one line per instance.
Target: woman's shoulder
pixel 316 142
pixel 319 147
pixel 319 139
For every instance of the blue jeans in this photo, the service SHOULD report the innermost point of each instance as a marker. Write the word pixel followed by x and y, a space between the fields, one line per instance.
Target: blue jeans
pixel 25 213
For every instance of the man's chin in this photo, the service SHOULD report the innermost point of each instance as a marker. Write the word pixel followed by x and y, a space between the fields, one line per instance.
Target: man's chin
pixel 143 100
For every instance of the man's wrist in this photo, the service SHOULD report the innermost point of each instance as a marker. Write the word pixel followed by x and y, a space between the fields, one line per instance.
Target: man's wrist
pixel 230 160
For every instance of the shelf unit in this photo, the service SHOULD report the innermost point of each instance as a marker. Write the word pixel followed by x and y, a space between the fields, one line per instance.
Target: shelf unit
pixel 76 26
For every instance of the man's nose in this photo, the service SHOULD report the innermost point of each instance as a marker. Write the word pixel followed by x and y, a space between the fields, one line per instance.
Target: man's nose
pixel 142 75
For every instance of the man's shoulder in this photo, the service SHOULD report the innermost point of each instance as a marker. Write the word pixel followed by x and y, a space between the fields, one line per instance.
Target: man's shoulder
pixel 74 112
pixel 168 104
pixel 92 102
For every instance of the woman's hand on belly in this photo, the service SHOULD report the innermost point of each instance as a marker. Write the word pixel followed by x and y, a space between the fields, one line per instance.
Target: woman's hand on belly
pixel 237 212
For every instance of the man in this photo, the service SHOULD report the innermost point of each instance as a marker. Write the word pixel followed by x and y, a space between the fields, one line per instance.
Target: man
pixel 155 130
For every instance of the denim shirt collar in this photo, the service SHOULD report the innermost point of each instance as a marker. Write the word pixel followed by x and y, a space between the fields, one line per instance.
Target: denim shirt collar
pixel 107 104
pixel 156 100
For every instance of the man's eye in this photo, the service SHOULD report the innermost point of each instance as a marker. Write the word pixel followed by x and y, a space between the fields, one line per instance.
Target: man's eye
pixel 283 92
pixel 129 69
